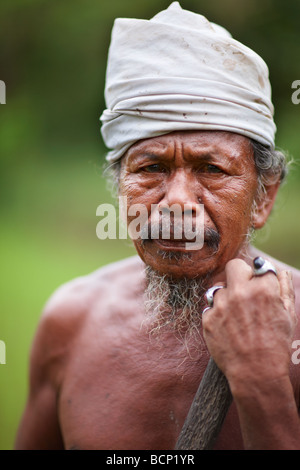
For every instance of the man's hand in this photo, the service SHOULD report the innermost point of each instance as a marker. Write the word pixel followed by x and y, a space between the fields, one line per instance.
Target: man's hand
pixel 249 333
pixel 249 330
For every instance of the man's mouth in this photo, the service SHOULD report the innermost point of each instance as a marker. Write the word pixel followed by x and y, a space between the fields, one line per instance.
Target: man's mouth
pixel 178 245
pixel 211 241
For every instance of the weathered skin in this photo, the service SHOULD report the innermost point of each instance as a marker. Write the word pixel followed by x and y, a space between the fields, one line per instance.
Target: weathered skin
pixel 98 381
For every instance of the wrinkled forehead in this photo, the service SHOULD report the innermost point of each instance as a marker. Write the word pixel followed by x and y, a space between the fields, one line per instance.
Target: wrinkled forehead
pixel 193 143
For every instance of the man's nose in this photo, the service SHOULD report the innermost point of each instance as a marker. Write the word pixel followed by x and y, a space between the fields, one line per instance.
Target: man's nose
pixel 180 190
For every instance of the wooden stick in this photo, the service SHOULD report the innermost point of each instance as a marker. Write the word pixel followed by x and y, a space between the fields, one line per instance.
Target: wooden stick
pixel 208 411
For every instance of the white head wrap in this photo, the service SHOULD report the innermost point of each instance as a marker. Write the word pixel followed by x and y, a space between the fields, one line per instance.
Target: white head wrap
pixel 178 71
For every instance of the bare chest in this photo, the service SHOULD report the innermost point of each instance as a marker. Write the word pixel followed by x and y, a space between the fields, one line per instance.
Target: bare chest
pixel 131 397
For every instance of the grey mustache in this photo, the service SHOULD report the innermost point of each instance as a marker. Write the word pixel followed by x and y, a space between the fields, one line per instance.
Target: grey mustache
pixel 174 231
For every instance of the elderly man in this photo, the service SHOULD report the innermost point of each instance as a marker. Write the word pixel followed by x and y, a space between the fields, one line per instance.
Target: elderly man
pixel 119 354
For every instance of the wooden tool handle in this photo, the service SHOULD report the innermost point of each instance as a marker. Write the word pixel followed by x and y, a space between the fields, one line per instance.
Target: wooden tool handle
pixel 207 413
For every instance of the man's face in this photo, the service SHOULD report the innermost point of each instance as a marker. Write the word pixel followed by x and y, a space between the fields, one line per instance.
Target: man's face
pixel 212 168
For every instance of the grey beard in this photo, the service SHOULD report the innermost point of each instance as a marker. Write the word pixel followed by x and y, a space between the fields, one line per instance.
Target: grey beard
pixel 175 304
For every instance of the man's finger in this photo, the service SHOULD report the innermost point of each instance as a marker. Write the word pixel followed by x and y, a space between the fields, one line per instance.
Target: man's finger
pixel 237 270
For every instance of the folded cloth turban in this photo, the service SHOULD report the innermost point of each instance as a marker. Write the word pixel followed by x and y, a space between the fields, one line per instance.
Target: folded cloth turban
pixel 180 72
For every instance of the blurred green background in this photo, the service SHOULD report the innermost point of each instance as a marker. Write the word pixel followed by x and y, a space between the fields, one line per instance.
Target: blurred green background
pixel 52 59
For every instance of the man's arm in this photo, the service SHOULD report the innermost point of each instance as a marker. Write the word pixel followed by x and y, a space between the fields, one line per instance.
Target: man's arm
pixel 52 346
pixel 39 427
pixel 268 416
pixel 249 333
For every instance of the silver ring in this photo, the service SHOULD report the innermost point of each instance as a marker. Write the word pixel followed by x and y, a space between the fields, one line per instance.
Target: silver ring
pixel 205 310
pixel 210 294
pixel 262 266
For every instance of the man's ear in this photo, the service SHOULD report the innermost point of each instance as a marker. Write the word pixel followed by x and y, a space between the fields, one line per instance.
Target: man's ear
pixel 264 205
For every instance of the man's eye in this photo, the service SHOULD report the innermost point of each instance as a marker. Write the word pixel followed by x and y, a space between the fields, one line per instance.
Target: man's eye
pixel 156 168
pixel 213 169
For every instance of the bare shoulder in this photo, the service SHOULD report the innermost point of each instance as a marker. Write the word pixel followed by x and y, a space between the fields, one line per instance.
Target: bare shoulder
pixel 73 304
pixel 77 296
